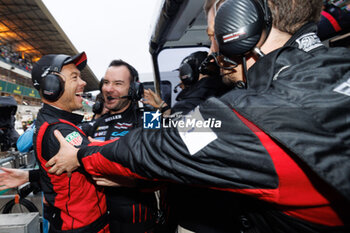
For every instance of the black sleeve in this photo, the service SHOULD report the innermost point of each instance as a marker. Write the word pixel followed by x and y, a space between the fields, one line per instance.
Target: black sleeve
pixel 210 156
pixel 34 175
pixel 87 127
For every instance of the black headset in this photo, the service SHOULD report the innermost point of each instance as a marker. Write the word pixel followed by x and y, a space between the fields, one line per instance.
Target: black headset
pixel 241 26
pixel 189 67
pixel 51 84
pixel 97 107
pixel 99 103
pixel 136 88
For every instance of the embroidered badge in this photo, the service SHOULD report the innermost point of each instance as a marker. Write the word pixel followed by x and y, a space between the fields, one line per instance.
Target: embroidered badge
pixel 74 138
pixel 308 42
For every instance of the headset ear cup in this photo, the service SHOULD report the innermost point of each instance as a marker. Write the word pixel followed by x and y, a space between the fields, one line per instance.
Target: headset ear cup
pixel 131 92
pixel 52 87
pixel 97 107
pixel 138 90
pixel 186 74
pixel 239 26
pixel 100 84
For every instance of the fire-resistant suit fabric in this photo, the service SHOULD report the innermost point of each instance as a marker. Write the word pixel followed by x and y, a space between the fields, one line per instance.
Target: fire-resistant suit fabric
pixel 285 142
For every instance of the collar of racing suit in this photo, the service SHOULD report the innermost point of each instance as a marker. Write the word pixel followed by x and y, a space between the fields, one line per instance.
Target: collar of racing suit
pixel 305 41
pixel 61 114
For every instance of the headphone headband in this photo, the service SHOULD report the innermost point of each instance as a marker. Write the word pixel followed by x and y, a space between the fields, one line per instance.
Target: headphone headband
pixel 57 63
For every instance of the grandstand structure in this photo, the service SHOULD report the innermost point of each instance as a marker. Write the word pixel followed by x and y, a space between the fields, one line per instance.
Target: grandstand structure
pixel 27 32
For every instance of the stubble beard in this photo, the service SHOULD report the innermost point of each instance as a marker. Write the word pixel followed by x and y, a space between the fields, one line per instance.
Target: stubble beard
pixel 119 105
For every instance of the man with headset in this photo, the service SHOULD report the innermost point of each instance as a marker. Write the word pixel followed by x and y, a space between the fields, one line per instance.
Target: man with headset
pixel 187 206
pixel 283 143
pixel 72 203
pixel 195 86
pixel 131 209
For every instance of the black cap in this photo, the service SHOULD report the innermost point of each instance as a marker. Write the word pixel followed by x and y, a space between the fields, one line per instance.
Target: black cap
pixel 54 63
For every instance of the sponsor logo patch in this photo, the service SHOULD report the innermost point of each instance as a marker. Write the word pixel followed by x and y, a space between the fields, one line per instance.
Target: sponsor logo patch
pixel 102 133
pixel 119 134
pixel 309 42
pixel 122 125
pixel 102 128
pixel 74 138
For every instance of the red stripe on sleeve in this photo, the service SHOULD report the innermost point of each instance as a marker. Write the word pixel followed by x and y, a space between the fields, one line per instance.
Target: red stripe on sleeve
pixel 140 212
pixel 296 194
pixel 96 164
pixel 332 20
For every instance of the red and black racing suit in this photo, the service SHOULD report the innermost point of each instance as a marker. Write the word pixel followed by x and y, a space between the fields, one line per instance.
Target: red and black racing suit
pixel 73 204
pixel 283 144
pixel 130 209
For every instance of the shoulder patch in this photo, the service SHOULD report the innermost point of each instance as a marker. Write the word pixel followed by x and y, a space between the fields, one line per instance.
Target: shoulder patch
pixel 343 88
pixel 194 137
pixel 74 138
pixel 309 42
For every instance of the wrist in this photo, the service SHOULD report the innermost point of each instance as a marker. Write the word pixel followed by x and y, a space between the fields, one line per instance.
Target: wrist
pixel 161 105
pixel 32 176
pixel 165 108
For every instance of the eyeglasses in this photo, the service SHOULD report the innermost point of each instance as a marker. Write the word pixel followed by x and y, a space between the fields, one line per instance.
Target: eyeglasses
pixel 222 61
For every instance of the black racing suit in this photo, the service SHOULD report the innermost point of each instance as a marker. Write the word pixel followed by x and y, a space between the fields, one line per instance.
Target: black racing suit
pixel 188 206
pixel 72 204
pixel 130 209
pixel 284 143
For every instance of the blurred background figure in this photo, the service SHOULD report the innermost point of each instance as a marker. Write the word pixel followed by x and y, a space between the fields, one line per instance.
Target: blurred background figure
pixel 335 18
pixel 8 134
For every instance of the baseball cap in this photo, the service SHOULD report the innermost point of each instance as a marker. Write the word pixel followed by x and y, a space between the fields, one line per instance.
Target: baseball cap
pixel 54 63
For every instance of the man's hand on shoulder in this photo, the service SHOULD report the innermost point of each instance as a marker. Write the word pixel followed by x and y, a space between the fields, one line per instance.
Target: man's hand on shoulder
pixel 66 158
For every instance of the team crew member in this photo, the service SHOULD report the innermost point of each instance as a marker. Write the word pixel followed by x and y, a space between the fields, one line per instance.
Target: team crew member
pixel 188 207
pixel 196 87
pixel 283 141
pixel 132 209
pixel 73 203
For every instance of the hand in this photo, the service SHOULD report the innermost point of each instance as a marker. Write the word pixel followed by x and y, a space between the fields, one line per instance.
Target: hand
pixel 115 181
pixel 11 178
pixel 93 140
pixel 152 98
pixel 66 159
pixel 102 181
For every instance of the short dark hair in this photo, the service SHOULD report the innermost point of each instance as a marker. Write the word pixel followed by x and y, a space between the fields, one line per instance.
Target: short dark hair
pixel 134 75
pixel 289 15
